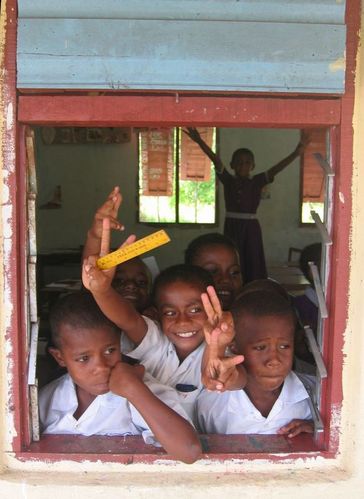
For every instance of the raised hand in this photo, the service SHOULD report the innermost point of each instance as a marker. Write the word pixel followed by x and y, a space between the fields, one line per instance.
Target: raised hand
pixel 193 134
pixel 94 279
pixel 109 209
pixel 221 373
pixel 217 318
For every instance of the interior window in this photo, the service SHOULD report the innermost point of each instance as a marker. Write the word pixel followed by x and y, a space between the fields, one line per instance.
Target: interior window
pixel 313 175
pixel 176 180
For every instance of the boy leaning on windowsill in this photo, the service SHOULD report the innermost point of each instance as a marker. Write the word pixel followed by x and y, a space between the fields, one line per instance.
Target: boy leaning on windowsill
pixel 101 395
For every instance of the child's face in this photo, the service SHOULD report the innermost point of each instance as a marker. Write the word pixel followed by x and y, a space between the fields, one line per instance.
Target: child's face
pixel 182 315
pixel 243 164
pixel 132 282
pixel 223 264
pixel 267 345
pixel 89 356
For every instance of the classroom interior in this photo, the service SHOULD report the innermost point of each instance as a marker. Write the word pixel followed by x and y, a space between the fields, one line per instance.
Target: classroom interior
pixel 74 177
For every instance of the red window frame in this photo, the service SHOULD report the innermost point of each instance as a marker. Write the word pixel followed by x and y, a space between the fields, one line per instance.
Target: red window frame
pixel 163 110
pixel 283 111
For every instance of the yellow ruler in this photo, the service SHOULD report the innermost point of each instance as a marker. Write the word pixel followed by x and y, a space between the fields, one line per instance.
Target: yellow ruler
pixel 135 249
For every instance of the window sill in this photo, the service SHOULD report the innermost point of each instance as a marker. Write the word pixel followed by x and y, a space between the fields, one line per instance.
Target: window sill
pixel 132 449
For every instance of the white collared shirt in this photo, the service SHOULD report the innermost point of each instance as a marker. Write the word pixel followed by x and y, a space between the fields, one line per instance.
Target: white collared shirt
pixel 159 357
pixel 232 412
pixel 108 414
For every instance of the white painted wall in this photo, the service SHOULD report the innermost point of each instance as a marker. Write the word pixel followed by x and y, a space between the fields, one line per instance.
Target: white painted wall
pixel 87 173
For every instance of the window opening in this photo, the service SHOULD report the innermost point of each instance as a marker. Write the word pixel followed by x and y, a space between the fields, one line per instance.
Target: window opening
pixel 176 182
pixel 315 344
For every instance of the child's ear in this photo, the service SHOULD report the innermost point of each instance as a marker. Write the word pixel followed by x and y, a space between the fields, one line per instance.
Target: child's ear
pixel 57 355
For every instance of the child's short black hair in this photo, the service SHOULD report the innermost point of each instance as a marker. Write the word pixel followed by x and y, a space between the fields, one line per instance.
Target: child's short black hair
pixel 264 285
pixel 241 150
pixel 261 303
pixel 205 240
pixel 182 272
pixel 143 264
pixel 310 253
pixel 77 310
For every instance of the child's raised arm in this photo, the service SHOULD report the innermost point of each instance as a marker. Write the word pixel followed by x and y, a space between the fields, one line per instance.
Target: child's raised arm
pixel 109 209
pixel 112 304
pixel 171 430
pixel 196 137
pixel 274 170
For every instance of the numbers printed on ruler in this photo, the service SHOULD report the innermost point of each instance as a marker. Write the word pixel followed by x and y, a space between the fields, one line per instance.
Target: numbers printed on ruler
pixel 135 249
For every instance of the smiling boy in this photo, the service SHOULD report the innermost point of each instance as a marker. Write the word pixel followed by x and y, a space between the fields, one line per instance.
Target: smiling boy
pixel 218 255
pixel 172 351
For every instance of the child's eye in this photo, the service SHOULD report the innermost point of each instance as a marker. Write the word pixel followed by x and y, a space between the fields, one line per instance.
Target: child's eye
pixel 235 273
pixel 168 313
pixel 195 310
pixel 110 350
pixel 259 347
pixel 118 282
pixel 142 284
pixel 212 270
pixel 83 358
pixel 284 347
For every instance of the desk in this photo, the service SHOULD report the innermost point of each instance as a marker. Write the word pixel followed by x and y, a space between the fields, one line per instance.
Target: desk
pixel 64 286
pixel 289 276
pixel 49 294
pixel 58 259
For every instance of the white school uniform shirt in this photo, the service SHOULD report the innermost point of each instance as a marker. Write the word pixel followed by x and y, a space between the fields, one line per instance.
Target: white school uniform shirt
pixel 126 345
pixel 159 357
pixel 108 414
pixel 232 412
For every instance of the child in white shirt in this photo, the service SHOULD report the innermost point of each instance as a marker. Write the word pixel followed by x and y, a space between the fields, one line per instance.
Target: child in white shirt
pixel 218 255
pixel 274 399
pixel 102 396
pixel 173 352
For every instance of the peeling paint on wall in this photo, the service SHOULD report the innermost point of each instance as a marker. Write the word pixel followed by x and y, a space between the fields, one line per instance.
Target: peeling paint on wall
pixel 338 65
pixel 9 117
pixel 7 226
